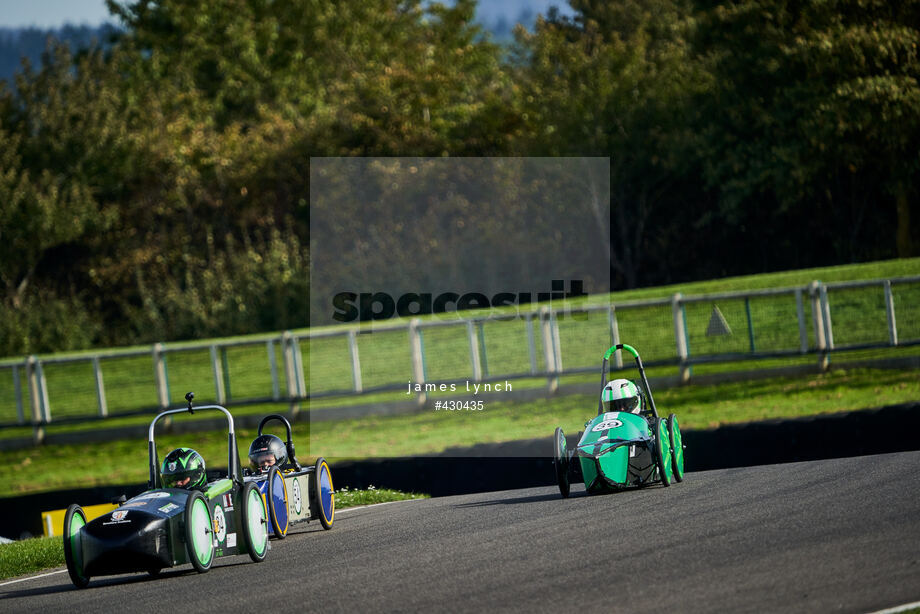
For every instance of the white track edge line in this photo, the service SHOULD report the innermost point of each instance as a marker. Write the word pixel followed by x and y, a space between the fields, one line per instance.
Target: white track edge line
pixel 342 511
pixel 50 573
pixel 899 608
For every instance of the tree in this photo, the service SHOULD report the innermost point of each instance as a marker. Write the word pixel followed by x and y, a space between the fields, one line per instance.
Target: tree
pixel 615 80
pixel 814 121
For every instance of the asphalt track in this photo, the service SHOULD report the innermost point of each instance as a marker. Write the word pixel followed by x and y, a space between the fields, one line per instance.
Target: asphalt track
pixel 822 536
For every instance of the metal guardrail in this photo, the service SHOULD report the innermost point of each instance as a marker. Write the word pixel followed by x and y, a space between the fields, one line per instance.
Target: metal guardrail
pixel 682 331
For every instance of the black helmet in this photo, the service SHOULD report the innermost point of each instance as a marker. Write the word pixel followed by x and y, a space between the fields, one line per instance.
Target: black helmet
pixel 183 468
pixel 265 451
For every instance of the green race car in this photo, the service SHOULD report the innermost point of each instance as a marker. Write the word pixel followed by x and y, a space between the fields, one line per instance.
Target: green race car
pixel 626 445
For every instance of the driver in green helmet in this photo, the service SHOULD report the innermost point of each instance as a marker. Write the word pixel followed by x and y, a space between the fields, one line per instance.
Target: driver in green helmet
pixel 183 468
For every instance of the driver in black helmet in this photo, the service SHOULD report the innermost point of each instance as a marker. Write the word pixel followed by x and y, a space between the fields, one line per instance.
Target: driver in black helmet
pixel 265 451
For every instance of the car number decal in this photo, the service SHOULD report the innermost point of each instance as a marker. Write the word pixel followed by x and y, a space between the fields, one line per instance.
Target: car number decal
pixel 607 425
pixel 295 497
pixel 220 524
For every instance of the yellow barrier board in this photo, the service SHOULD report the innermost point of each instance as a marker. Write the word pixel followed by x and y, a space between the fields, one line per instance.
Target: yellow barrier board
pixel 53 521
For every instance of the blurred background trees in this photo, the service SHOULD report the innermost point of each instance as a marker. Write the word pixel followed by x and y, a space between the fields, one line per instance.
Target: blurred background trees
pixel 155 185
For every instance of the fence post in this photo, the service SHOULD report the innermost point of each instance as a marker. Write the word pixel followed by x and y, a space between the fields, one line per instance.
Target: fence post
pixel 418 360
pixel 46 406
pixel 680 337
pixel 549 350
pixel 290 371
pixel 475 358
pixel 100 388
pixel 614 335
pixel 159 372
pixel 889 310
pixel 483 354
pixel 35 396
pixel 218 379
pixel 817 317
pixel 299 370
pixel 355 361
pixel 557 346
pixel 800 313
pixel 826 316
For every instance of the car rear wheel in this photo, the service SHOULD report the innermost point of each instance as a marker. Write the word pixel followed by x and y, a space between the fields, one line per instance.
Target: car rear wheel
pixel 276 499
pixel 74 521
pixel 199 533
pixel 323 494
pixel 663 452
pixel 677 448
pixel 255 527
pixel 561 462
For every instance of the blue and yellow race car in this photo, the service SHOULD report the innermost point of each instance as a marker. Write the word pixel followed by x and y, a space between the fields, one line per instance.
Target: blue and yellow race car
pixel 292 493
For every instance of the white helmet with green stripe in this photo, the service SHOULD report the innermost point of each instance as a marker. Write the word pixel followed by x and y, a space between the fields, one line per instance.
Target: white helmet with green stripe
pixel 622 395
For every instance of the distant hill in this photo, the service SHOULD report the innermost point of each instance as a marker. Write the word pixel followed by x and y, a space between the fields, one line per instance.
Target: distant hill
pixel 17 43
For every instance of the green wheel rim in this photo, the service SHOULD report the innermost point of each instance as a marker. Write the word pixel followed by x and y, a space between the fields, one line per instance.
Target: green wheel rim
pixel 560 459
pixel 201 535
pixel 677 447
pixel 665 443
pixel 255 516
pixel 75 543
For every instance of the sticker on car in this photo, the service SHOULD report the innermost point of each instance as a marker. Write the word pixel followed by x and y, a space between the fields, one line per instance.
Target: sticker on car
pixel 607 425
pixel 220 524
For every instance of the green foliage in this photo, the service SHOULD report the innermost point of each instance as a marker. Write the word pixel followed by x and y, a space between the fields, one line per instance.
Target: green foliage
pixel 139 182
pixel 815 117
pixel 615 80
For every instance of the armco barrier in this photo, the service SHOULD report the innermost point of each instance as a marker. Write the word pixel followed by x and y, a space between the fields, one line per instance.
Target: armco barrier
pixel 522 464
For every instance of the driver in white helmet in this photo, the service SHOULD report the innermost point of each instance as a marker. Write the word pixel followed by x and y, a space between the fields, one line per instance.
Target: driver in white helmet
pixel 622 395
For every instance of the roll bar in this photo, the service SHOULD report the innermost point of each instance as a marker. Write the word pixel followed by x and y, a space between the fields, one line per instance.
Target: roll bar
pixel 234 470
pixel 635 354
pixel 289 444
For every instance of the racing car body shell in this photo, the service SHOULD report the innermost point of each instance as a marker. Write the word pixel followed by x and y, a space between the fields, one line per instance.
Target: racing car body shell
pixel 614 451
pixel 144 533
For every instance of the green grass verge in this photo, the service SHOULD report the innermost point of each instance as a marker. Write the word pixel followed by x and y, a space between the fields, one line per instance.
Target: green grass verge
pixel 33 555
pixel 56 467
pixel 30 555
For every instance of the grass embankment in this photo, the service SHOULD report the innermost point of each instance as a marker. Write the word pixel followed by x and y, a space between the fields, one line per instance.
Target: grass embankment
pixel 125 461
pixel 33 555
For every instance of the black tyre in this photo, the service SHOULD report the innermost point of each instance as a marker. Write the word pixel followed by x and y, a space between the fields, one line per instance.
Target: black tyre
pixel 663 451
pixel 255 522
pixel 199 532
pixel 561 462
pixel 276 500
pixel 323 494
pixel 74 521
pixel 677 448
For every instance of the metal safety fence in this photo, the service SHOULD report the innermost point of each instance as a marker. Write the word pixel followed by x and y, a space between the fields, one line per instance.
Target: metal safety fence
pixel 679 331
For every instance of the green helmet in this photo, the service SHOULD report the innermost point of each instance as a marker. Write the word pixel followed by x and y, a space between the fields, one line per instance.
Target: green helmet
pixel 183 468
pixel 622 395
